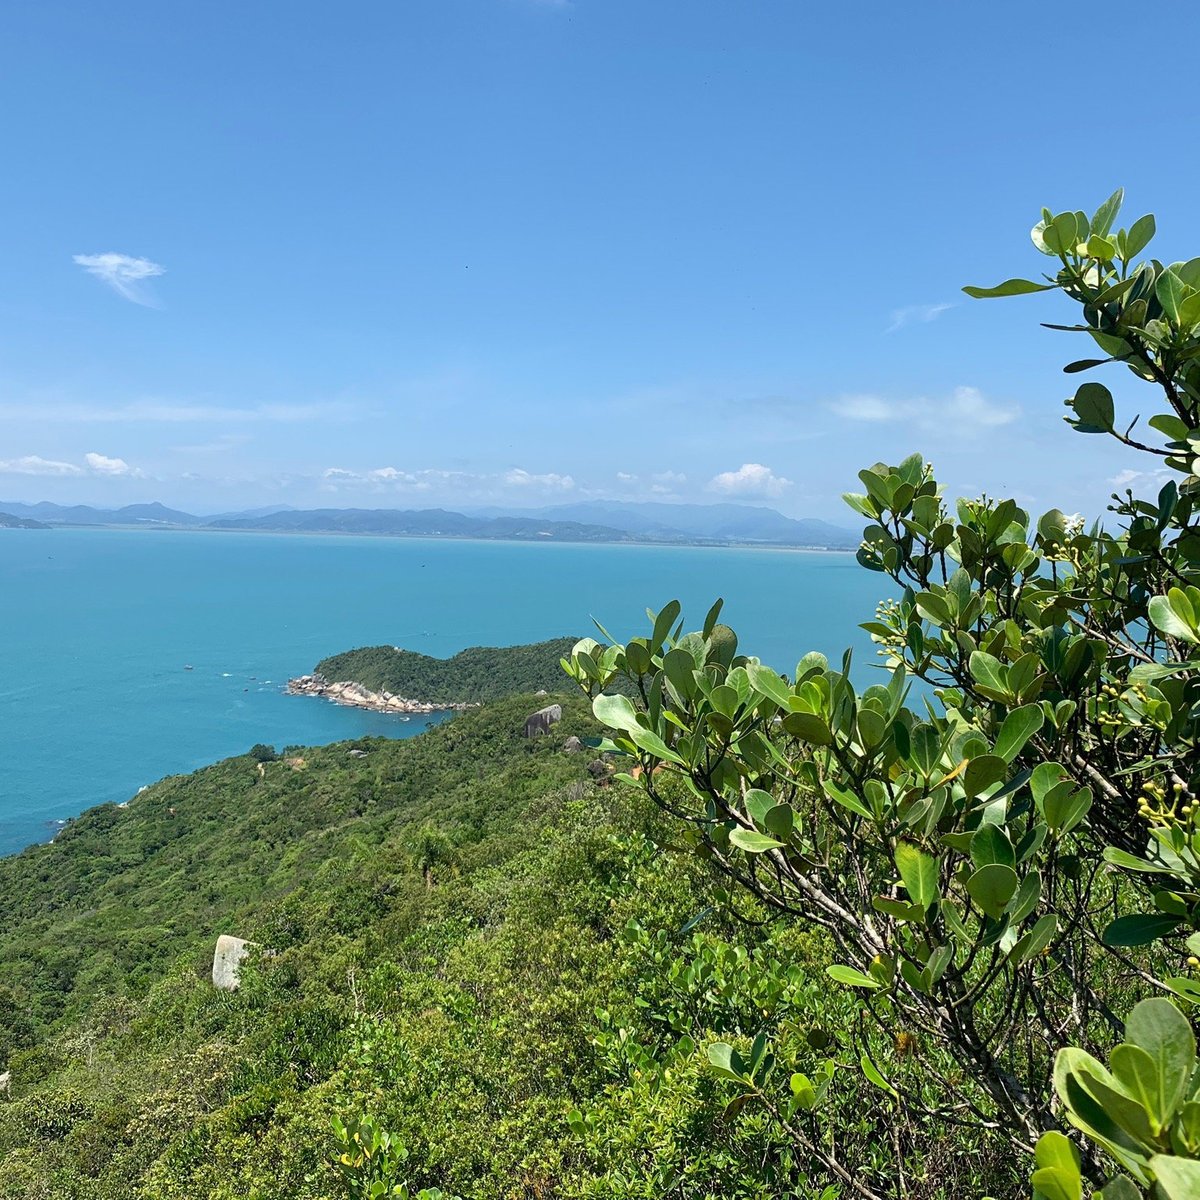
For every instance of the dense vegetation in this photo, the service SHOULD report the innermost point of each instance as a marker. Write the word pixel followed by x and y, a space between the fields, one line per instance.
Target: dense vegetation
pixel 472 676
pixel 474 946
pixel 1006 871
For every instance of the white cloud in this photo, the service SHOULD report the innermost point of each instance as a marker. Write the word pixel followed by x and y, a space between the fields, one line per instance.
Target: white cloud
pixel 1139 479
pixel 625 477
pixel 392 479
pixel 750 479
pixel 966 410
pixel 518 477
pixel 33 464
pixel 94 464
pixel 101 464
pixel 123 273
pixel 667 483
pixel 915 314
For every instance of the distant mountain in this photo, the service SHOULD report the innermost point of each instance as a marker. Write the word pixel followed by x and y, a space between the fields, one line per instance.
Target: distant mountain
pixel 427 522
pixel 84 514
pixel 707 522
pixel 8 521
pixel 590 521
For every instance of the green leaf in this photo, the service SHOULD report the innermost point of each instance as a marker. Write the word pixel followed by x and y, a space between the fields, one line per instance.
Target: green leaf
pixel 1138 238
pixel 1093 405
pixel 726 1061
pixel 1177 1178
pixel 1169 425
pixel 1160 1032
pixel 1058 1175
pixel 1174 616
pixel 991 845
pixel 1019 726
pixel 984 771
pixel 851 977
pixel 653 744
pixel 757 804
pixel 1139 929
pixel 617 712
pixel 992 887
pixel 781 820
pixel 808 727
pixel 1171 292
pixel 1102 219
pixel 919 871
pixel 990 674
pixel 875 1076
pixel 753 842
pixel 1036 940
pixel 1061 234
pixel 1010 287
pixel 766 682
pixel 663 623
pixel 1120 1187
pixel 848 800
pixel 710 620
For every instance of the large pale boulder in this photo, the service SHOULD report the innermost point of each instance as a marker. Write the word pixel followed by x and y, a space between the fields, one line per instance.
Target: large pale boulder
pixel 540 721
pixel 227 961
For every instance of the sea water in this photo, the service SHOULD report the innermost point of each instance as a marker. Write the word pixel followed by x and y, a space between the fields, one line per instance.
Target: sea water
pixel 127 655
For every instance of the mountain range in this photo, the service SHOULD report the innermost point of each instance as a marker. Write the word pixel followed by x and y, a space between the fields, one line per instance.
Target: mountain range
pixel 586 521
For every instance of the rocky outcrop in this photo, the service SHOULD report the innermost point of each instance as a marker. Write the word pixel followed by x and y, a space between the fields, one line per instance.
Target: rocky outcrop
pixel 541 721
pixel 227 961
pixel 572 745
pixel 354 694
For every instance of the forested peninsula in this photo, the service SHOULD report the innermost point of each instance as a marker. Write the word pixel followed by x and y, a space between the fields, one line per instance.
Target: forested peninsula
pixel 389 679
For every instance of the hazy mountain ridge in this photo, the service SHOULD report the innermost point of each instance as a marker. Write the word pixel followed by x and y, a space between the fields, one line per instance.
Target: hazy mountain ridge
pixel 586 521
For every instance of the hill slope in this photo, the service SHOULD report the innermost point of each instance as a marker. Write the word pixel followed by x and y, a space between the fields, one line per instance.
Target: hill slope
pixel 472 676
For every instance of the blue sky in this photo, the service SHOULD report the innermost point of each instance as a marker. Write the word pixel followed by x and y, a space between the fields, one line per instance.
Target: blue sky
pixel 453 252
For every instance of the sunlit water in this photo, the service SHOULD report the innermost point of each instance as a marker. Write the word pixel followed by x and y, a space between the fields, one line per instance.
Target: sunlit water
pixel 98 628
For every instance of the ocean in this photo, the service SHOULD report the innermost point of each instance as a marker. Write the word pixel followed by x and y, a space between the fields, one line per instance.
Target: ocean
pixel 99 627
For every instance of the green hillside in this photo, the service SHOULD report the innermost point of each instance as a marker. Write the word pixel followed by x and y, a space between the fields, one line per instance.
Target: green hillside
pixel 472 676
pixel 473 942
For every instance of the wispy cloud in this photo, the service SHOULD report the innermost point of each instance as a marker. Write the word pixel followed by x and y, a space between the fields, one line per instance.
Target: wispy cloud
pixel 965 411
pixel 750 479
pixel 123 273
pixel 915 314
pixel 34 464
pixel 93 464
pixel 394 479
pixel 551 481
pixel 1140 479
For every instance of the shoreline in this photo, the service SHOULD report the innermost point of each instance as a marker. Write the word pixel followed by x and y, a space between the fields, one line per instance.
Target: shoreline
pixel 353 695
pixel 698 544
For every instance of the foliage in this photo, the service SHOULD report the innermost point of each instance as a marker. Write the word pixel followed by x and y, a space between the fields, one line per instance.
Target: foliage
pixel 371 1160
pixel 470 677
pixel 959 852
pixel 1145 1113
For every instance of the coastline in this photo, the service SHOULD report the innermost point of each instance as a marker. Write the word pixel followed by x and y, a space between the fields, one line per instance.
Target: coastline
pixel 697 544
pixel 354 695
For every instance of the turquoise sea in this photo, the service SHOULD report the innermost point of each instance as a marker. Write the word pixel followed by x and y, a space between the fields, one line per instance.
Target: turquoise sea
pixel 98 626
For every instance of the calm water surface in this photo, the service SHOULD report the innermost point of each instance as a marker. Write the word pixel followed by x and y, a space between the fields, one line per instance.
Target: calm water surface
pixel 97 627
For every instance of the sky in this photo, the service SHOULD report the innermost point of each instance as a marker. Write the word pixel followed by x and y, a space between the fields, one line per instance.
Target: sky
pixel 424 253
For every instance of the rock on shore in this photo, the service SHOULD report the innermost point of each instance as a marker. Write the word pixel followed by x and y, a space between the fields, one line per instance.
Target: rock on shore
pixel 354 694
